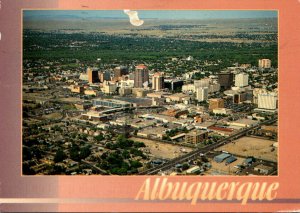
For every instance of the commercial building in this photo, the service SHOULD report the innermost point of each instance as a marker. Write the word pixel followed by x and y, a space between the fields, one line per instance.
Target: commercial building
pixel 202 83
pixel 220 158
pixel 123 91
pixel 188 88
pixel 104 76
pixel 202 94
pixel 241 80
pixel 214 88
pixel 77 89
pixel 244 122
pixel 216 103
pixel 175 113
pixel 263 169
pixel 267 101
pixel 90 92
pixel 111 103
pixel 109 87
pixel 153 132
pixel 196 136
pixel 141 76
pixel 158 81
pixel 225 80
pixel 83 105
pixel 221 130
pixel 120 71
pixel 256 92
pixel 93 76
pixel 173 84
pixel 178 97
pixel 222 111
pixel 264 63
pixel 193 170
pixel 241 97
pixel 94 116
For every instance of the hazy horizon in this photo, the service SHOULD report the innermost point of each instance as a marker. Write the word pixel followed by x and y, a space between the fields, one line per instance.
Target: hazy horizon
pixel 149 14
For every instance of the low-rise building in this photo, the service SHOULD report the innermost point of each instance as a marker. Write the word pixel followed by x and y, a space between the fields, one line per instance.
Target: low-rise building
pixel 243 122
pixel 196 136
pixel 263 169
pixel 222 111
pixel 111 103
pixel 155 132
pixel 76 89
pixel 178 97
pixel 216 103
pixel 109 87
pixel 94 116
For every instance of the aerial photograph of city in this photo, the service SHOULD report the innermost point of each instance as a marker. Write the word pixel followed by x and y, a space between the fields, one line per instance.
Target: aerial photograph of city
pixel 182 92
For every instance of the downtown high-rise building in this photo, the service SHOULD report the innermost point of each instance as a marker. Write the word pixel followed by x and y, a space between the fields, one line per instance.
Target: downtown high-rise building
pixel 202 93
pixel 158 81
pixel 93 76
pixel 264 63
pixel 225 80
pixel 267 101
pixel 241 79
pixel 141 76
pixel 120 71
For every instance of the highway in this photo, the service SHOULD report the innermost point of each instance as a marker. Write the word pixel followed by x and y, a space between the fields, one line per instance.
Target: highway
pixel 196 153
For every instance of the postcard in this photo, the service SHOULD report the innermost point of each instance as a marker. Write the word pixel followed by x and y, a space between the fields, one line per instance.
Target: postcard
pixel 144 106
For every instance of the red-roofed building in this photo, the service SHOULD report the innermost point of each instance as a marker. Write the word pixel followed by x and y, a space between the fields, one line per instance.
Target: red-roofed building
pixel 221 130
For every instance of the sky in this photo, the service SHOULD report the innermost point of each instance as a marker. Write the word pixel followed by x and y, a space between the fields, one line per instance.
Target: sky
pixel 150 14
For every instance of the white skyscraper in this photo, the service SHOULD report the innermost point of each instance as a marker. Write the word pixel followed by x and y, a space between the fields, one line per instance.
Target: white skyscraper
pixel 158 81
pixel 267 101
pixel 241 80
pixel 202 93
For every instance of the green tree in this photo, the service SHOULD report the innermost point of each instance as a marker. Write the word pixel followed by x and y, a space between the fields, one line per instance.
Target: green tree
pixel 59 156
pixel 85 152
pixel 99 138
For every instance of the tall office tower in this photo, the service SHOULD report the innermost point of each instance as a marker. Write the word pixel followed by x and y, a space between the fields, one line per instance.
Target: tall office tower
pixel 158 81
pixel 257 91
pixel 104 76
pixel 173 84
pixel 241 80
pixel 225 80
pixel 216 103
pixel 202 93
pixel 267 101
pixel 93 76
pixel 264 63
pixel 119 71
pixel 141 75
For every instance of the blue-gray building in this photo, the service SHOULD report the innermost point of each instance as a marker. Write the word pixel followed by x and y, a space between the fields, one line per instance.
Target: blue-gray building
pixel 111 103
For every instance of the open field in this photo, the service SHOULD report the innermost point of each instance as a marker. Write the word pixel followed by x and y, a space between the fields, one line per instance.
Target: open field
pixel 162 150
pixel 249 146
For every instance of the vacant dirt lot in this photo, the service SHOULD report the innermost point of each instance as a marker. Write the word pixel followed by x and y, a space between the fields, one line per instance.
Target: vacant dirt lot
pixel 162 150
pixel 249 146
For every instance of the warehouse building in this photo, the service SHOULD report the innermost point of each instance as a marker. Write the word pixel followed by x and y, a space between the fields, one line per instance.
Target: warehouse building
pixel 220 158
